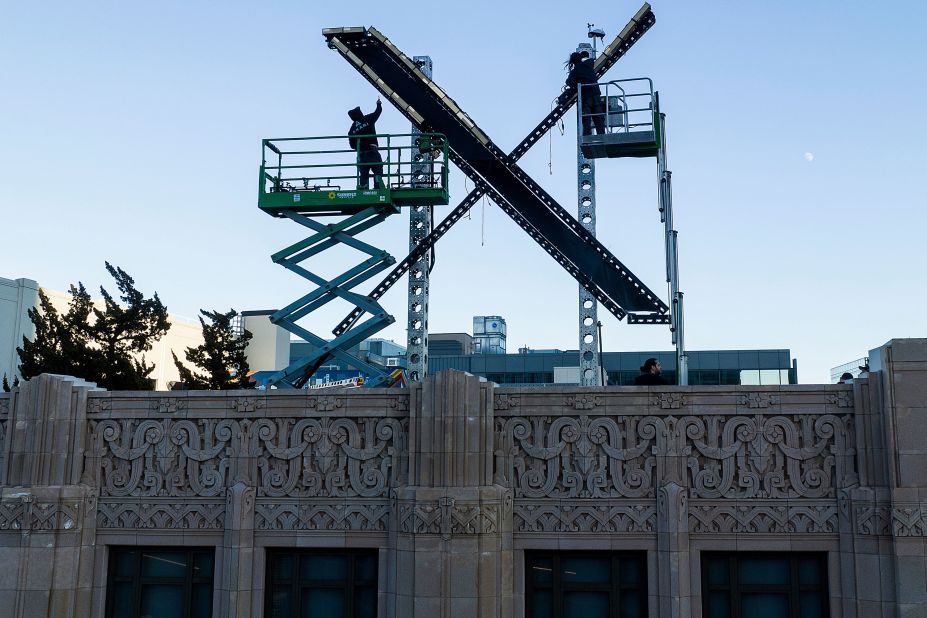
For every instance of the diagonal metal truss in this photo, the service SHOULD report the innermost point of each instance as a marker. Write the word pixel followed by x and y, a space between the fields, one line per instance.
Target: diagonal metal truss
pixel 629 35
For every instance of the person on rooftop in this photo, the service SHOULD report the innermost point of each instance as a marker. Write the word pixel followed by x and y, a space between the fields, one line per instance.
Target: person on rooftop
pixel 582 75
pixel 650 374
pixel 362 137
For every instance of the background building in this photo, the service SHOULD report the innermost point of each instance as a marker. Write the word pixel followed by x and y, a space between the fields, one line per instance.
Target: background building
pixel 489 334
pixel 18 296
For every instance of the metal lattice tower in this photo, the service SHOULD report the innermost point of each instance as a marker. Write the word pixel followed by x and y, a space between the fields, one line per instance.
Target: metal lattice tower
pixel 589 361
pixel 420 224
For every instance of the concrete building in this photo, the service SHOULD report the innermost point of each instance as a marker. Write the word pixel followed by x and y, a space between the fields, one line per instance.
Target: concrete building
pixel 459 498
pixel 18 296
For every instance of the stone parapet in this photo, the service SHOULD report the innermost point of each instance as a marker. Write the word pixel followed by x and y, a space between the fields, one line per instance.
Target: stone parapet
pixel 454 479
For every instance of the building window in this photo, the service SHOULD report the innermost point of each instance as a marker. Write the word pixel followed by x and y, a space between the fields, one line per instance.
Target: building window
pixel 331 583
pixel 757 585
pixel 585 585
pixel 160 581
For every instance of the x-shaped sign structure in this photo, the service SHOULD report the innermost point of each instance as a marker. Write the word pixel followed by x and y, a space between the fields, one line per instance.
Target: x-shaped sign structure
pixel 496 174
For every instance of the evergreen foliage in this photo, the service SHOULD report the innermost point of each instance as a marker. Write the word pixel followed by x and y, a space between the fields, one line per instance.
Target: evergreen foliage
pixel 221 357
pixel 107 348
pixel 6 384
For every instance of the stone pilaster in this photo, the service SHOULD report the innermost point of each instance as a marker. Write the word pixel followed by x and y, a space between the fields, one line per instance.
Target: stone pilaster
pixel 236 578
pixel 673 570
pixel 47 519
pixel 451 536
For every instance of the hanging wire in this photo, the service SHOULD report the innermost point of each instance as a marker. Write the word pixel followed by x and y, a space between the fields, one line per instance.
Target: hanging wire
pixel 483 223
pixel 550 140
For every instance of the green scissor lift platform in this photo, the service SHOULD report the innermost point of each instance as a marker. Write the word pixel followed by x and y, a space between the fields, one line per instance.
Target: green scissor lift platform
pixel 308 178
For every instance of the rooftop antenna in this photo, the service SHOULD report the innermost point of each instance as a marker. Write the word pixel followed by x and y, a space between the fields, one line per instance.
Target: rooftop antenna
pixel 594 34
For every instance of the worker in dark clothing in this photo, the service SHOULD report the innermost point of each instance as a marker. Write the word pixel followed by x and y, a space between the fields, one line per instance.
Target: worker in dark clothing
pixel 650 374
pixel 582 75
pixel 362 138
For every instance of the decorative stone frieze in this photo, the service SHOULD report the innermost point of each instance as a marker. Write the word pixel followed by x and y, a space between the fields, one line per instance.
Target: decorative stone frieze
pixel 776 517
pixel 579 516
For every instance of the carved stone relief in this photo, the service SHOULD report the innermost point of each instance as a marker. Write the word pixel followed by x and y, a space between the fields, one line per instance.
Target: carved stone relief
pixel 760 456
pixel 353 517
pixel 763 518
pixel 584 517
pixel 338 457
pixel 159 514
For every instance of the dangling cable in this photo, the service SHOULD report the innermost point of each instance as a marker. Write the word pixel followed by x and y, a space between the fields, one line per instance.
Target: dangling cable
pixel 483 224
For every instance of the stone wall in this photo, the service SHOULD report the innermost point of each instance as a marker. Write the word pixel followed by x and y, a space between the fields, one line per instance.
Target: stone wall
pixel 454 479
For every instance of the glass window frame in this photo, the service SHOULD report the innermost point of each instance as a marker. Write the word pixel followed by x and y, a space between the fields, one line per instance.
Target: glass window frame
pixel 137 580
pixel 298 583
pixel 793 588
pixel 557 587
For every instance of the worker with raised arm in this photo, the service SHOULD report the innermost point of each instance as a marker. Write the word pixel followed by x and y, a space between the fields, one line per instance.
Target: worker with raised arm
pixel 362 137
pixel 582 75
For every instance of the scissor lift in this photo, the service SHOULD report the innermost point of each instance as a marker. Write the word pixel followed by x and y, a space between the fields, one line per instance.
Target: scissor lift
pixel 306 179
pixel 635 127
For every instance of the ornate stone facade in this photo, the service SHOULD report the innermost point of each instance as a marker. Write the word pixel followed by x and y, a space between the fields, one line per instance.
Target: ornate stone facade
pixel 456 466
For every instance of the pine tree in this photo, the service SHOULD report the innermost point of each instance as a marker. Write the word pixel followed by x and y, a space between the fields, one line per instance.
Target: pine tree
pixel 62 342
pixel 96 345
pixel 6 385
pixel 121 332
pixel 221 355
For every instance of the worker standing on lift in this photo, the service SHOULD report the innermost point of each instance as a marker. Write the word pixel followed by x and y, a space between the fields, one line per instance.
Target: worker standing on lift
pixel 362 137
pixel 582 75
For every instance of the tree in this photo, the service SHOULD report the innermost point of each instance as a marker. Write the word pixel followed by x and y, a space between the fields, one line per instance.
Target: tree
pixel 97 345
pixel 221 355
pixel 62 342
pixel 6 383
pixel 122 332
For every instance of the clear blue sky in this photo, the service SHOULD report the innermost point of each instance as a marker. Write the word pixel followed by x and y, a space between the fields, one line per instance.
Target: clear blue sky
pixel 131 133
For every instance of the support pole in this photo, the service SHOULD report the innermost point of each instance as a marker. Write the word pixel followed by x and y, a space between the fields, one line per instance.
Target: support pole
pixel 420 222
pixel 672 258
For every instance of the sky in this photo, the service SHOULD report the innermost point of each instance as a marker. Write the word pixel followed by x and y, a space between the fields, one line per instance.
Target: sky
pixel 130 132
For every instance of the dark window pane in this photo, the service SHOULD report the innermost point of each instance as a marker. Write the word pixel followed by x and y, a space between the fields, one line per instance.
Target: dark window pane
pixel 719 572
pixel 365 568
pixel 586 570
pixel 125 563
pixel 324 568
pixel 809 571
pixel 202 565
pixel 811 605
pixel 162 600
pixel 328 602
pixel 542 602
pixel 719 605
pixel 282 567
pixel 365 602
pixel 631 571
pixel 585 604
pixel 760 571
pixel 122 599
pixel 542 570
pixel 201 601
pixel 164 564
pixel 281 604
pixel 765 605
pixel 632 604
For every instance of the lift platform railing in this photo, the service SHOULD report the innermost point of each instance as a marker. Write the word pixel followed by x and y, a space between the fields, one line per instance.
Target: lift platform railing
pixel 628 106
pixel 319 173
